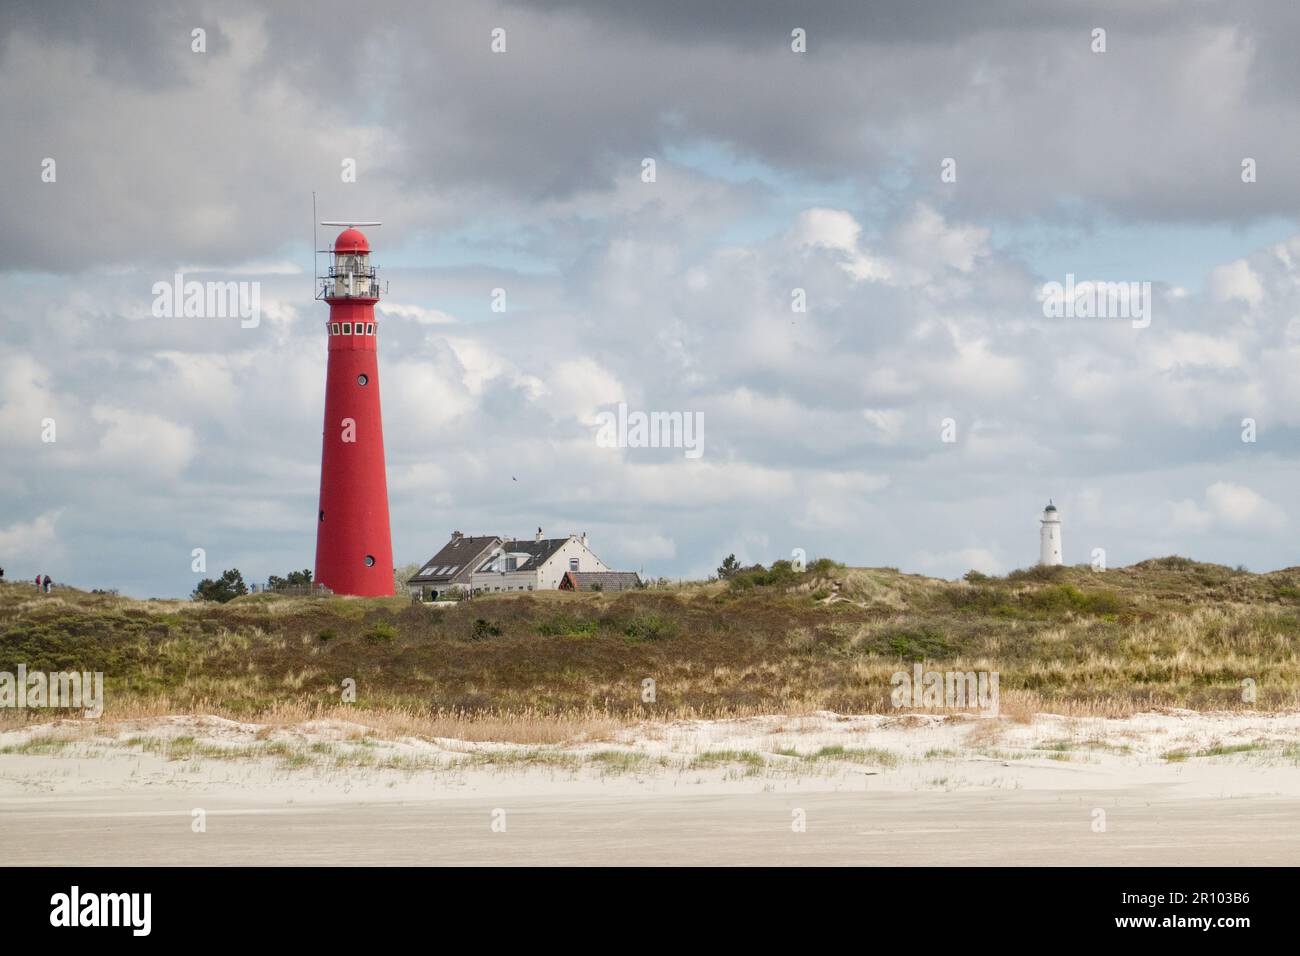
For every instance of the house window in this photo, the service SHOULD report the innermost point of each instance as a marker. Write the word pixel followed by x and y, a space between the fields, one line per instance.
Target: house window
pixel 512 564
pixel 347 328
pixel 573 564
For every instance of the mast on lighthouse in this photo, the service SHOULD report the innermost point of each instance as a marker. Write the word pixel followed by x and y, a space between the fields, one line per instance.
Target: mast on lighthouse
pixel 354 549
pixel 1049 537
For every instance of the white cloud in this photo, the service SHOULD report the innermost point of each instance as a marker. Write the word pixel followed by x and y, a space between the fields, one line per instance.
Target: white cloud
pixel 416 313
pixel 926 240
pixel 143 443
pixel 1229 506
pixel 31 546
pixel 1236 280
pixel 577 388
pixel 839 232
pixel 1240 506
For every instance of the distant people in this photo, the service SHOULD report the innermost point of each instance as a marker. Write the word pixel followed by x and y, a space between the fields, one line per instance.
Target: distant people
pixel 2 574
pixel 38 582
pixel 47 584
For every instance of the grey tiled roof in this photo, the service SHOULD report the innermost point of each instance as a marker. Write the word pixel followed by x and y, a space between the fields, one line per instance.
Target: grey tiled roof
pixel 538 552
pixel 458 559
pixel 608 580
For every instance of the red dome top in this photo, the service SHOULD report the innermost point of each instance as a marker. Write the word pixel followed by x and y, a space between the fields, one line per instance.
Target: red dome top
pixel 351 241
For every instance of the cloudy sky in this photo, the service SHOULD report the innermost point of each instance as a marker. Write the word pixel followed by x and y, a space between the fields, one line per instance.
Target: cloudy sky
pixel 775 170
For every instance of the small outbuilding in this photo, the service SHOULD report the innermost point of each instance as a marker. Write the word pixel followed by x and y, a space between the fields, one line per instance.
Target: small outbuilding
pixel 600 581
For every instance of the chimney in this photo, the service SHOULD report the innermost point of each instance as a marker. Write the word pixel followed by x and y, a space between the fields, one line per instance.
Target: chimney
pixel 584 539
pixel 456 536
pixel 539 535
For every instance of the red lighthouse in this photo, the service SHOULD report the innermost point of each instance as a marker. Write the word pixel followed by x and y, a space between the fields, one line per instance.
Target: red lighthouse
pixel 354 547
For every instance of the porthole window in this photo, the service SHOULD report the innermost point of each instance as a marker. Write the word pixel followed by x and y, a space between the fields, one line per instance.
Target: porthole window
pixel 347 328
pixel 336 328
pixel 370 560
pixel 362 379
pixel 370 328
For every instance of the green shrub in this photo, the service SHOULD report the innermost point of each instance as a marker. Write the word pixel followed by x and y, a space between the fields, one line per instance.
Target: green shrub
pixel 916 644
pixel 381 633
pixel 650 627
pixel 564 626
pixel 1066 597
pixel 1038 572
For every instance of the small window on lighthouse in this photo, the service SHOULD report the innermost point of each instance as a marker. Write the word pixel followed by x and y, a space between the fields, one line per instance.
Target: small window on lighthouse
pixel 370 328
pixel 347 328
pixel 362 379
pixel 336 328
pixel 370 560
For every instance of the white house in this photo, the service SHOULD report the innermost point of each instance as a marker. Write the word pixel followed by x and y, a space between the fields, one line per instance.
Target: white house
pixel 487 563
pixel 537 565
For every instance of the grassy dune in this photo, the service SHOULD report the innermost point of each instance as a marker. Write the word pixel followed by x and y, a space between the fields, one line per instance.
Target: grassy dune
pixel 1167 632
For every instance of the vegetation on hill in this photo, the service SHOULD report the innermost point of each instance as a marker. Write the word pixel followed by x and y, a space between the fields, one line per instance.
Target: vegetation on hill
pixel 1167 632
pixel 227 587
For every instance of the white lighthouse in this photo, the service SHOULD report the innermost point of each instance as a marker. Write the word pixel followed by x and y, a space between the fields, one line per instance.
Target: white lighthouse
pixel 1049 537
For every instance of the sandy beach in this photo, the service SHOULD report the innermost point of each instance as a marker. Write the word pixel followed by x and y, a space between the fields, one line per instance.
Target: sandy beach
pixel 1174 787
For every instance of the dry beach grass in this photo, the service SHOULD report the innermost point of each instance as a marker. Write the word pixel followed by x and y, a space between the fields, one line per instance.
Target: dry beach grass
pixel 545 667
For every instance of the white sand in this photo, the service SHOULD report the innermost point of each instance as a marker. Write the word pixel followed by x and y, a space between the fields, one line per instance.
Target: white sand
pixel 329 762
